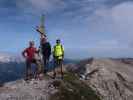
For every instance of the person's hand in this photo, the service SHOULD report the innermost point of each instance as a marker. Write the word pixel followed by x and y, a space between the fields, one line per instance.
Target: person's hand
pixel 63 56
pixel 26 57
pixel 38 51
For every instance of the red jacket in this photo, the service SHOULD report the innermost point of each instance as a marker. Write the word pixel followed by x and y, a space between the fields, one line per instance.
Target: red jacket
pixel 30 53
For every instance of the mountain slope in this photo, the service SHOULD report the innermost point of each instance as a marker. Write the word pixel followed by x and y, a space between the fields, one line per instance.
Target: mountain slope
pixel 91 79
pixel 110 78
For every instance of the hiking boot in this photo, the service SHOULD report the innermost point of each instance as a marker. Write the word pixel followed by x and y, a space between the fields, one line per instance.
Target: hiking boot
pixel 54 76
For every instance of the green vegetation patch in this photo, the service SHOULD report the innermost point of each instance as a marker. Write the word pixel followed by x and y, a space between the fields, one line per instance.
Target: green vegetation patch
pixel 71 88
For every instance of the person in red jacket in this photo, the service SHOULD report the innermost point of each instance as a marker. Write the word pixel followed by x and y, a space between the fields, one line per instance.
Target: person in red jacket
pixel 29 54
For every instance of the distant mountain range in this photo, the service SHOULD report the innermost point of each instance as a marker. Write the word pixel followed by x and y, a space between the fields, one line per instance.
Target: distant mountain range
pixel 10 57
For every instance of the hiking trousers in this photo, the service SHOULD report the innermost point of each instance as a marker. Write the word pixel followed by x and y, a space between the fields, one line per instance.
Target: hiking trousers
pixel 46 64
pixel 58 63
pixel 29 73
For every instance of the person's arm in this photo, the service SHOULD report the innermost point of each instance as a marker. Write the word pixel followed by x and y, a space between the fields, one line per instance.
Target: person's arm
pixel 37 50
pixel 49 48
pixel 23 53
pixel 53 51
pixel 62 51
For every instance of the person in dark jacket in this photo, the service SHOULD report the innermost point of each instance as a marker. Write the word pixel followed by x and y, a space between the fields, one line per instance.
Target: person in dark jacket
pixel 46 52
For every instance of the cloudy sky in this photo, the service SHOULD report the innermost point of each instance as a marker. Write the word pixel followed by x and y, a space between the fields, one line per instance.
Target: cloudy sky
pixel 100 28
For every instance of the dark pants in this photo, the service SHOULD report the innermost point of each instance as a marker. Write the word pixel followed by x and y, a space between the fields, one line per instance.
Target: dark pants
pixel 29 73
pixel 58 63
pixel 46 63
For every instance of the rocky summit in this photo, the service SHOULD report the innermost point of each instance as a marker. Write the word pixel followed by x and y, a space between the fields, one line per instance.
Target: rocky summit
pixel 91 79
pixel 70 88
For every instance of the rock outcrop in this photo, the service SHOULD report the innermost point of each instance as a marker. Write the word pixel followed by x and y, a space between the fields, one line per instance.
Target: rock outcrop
pixel 111 79
pixel 21 90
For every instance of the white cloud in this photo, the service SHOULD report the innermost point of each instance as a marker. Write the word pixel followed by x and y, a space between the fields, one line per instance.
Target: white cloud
pixel 123 18
pixel 117 21
pixel 37 6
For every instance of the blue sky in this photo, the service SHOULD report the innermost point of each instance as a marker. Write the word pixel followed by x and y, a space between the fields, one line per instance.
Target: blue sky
pixel 99 28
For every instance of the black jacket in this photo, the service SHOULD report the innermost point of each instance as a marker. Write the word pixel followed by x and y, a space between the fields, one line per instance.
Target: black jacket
pixel 46 49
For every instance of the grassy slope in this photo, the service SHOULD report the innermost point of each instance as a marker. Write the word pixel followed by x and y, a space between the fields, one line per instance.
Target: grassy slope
pixel 71 88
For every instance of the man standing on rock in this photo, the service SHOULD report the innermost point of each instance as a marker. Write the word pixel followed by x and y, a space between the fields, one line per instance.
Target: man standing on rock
pixel 46 52
pixel 58 55
pixel 29 54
